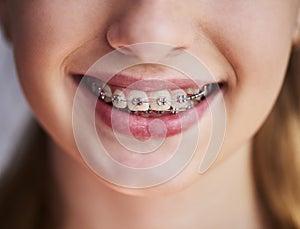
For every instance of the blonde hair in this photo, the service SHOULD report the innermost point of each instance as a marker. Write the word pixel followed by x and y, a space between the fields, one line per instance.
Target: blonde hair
pixel 276 155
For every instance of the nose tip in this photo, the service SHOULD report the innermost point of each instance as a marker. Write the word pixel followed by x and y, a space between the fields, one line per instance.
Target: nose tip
pixel 149 24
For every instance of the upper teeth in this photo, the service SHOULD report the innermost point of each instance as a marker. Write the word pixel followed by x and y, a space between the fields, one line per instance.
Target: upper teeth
pixel 161 100
pixel 140 101
pixel 179 99
pixel 107 93
pixel 119 100
pixel 192 91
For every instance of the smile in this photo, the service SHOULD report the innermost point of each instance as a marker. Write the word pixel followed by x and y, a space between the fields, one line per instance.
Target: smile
pixel 129 108
pixel 149 103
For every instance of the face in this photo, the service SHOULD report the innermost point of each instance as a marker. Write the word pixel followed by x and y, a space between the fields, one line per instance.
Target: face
pixel 244 44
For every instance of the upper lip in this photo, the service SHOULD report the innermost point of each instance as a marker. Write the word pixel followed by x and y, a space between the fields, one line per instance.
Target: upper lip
pixel 148 82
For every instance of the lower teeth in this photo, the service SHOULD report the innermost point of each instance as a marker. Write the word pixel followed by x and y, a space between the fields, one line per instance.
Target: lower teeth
pixel 187 101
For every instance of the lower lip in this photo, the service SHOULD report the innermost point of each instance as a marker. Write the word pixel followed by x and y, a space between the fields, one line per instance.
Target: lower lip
pixel 139 126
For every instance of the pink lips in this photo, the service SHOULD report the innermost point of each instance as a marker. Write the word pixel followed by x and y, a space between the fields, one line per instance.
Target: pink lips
pixel 149 83
pixel 142 127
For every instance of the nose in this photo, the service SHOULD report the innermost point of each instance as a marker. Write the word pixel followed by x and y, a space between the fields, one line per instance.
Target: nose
pixel 156 21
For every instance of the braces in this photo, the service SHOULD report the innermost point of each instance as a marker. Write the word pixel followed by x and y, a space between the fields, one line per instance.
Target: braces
pixel 160 101
pixel 187 101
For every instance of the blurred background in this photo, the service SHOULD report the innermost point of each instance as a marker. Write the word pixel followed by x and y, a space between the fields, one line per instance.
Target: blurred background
pixel 14 111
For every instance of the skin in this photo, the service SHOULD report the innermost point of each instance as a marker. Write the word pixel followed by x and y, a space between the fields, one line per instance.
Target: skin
pixel 247 42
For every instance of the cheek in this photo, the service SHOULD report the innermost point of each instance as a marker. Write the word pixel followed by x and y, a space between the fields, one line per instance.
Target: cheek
pixel 258 49
pixel 44 34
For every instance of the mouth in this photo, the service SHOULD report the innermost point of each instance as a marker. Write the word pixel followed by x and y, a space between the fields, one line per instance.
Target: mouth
pixel 143 101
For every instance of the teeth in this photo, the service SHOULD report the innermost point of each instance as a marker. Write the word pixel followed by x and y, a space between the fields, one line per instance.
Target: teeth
pixel 99 89
pixel 137 101
pixel 190 104
pixel 179 99
pixel 107 93
pixel 119 100
pixel 161 100
pixel 192 91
